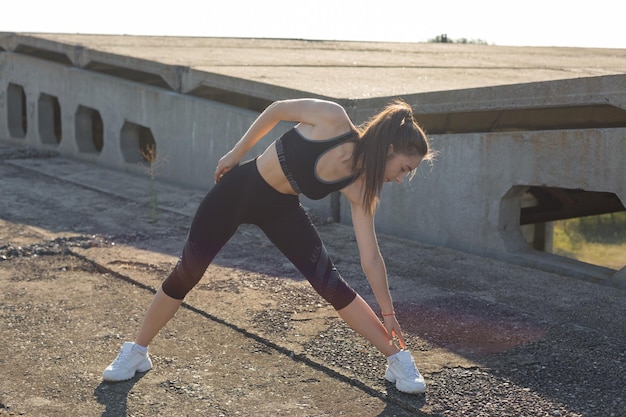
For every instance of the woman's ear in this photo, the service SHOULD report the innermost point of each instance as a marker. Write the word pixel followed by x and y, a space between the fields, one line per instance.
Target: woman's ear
pixel 390 151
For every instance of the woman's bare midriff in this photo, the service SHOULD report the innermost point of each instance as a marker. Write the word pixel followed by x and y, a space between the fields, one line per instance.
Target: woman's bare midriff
pixel 270 170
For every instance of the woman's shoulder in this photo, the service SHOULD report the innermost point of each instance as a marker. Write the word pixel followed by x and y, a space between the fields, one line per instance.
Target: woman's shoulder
pixel 332 122
pixel 309 110
pixel 332 114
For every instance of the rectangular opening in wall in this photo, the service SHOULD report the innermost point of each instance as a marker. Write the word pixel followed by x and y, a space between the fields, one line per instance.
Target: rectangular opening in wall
pixel 89 130
pixel 587 226
pixel 138 144
pixel 16 111
pixel 49 111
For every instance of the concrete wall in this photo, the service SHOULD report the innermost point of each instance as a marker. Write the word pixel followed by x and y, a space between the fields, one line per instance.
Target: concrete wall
pixel 469 199
pixel 190 133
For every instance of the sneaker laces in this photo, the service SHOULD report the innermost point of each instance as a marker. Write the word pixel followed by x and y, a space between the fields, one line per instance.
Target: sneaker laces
pixel 409 368
pixel 123 356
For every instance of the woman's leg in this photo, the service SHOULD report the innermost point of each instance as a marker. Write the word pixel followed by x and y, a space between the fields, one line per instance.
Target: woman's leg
pixel 362 319
pixel 294 234
pixel 133 357
pixel 216 220
pixel 190 268
pixel 161 310
pixel 296 237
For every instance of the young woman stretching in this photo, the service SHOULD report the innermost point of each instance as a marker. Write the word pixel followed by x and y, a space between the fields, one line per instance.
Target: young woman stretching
pixel 323 153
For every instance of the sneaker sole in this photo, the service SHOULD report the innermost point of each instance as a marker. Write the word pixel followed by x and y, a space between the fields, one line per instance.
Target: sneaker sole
pixel 104 378
pixel 420 390
pixel 126 378
pixel 393 380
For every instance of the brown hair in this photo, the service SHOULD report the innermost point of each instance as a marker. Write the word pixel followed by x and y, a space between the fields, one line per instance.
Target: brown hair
pixel 394 125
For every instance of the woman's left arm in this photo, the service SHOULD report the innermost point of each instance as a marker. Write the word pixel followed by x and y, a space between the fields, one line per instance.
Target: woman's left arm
pixel 371 259
pixel 374 267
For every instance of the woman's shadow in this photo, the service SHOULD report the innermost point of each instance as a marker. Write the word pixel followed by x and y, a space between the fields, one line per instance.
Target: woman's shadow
pixel 114 395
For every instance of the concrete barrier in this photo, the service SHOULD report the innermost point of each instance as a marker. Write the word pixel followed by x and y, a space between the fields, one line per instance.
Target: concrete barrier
pixel 114 122
pixel 551 149
pixel 496 145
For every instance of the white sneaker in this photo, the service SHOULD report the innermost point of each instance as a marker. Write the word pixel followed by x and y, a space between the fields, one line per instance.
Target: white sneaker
pixel 126 364
pixel 401 369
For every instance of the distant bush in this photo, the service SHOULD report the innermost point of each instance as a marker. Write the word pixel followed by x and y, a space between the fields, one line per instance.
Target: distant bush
pixel 443 38
pixel 605 228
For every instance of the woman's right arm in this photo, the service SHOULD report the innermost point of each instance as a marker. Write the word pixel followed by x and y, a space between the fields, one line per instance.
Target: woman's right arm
pixel 318 113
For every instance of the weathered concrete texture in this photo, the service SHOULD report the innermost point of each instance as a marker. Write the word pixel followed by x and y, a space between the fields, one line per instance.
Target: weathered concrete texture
pixel 491 338
pixel 480 179
pixel 618 280
pixel 341 70
pixel 503 118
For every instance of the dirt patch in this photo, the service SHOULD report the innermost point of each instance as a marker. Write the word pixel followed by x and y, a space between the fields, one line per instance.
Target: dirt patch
pixel 63 321
pixel 79 265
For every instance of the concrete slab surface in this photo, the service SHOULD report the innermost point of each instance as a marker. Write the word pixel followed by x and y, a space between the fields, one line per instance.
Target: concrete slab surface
pixel 82 248
pixel 342 70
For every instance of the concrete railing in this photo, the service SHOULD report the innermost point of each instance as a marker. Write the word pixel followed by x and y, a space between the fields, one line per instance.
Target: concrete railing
pixel 500 147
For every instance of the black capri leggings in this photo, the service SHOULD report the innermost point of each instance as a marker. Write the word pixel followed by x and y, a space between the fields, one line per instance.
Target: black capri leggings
pixel 243 196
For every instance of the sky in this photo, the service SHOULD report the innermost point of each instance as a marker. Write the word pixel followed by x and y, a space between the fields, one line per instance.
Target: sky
pixel 573 23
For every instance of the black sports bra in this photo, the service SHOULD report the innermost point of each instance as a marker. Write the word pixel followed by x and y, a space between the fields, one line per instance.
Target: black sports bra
pixel 298 158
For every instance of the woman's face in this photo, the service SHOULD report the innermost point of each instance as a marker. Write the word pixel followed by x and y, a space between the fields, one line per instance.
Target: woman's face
pixel 399 165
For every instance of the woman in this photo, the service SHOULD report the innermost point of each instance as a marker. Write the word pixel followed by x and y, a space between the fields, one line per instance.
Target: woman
pixel 323 153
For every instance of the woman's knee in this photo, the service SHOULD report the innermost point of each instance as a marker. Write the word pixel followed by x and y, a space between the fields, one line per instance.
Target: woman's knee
pixel 332 287
pixel 186 274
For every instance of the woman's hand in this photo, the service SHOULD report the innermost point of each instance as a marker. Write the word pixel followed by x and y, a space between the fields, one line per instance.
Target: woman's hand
pixel 225 164
pixel 393 329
